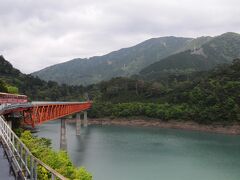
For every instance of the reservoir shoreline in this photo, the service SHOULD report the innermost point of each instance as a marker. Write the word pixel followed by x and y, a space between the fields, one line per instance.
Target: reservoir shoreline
pixel 232 129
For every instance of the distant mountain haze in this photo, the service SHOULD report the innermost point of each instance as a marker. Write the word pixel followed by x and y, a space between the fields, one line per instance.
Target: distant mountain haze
pixel 157 54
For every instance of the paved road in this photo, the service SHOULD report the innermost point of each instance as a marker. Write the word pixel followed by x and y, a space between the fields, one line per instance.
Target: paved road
pixel 4 167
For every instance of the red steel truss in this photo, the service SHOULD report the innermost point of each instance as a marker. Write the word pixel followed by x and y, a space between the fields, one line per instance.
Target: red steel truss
pixel 41 113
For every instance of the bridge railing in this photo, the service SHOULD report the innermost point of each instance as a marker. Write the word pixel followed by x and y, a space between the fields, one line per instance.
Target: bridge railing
pixel 24 164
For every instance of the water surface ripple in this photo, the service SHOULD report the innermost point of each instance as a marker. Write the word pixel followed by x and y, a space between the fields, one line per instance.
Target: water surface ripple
pixel 133 153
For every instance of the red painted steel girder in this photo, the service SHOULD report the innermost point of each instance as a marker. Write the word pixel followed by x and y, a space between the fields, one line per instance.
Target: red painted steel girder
pixel 41 113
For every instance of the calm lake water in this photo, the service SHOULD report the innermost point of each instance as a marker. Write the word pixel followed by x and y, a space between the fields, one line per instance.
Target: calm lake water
pixel 132 153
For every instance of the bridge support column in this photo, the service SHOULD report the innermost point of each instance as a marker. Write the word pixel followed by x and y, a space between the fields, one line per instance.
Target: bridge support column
pixel 63 137
pixel 85 120
pixel 78 124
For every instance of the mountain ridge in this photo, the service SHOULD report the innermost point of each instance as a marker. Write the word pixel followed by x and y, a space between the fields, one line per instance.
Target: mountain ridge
pixel 124 62
pixel 129 61
pixel 219 50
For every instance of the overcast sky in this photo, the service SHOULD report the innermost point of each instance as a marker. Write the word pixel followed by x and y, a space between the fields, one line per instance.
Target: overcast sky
pixel 38 33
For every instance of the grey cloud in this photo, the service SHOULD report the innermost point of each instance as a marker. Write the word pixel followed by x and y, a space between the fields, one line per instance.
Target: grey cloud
pixel 36 34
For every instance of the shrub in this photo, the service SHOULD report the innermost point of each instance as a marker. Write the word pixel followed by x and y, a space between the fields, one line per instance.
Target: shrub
pixel 60 161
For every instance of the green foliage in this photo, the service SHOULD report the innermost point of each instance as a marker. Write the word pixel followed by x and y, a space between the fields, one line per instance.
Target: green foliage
pixel 13 81
pixel 12 89
pixel 152 110
pixel 7 69
pixel 205 97
pixel 60 161
pixel 3 87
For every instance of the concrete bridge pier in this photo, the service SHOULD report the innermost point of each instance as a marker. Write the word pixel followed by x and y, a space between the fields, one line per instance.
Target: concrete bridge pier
pixel 85 120
pixel 63 136
pixel 78 124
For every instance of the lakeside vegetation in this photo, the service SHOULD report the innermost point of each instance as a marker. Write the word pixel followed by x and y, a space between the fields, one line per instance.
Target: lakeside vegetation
pixel 60 161
pixel 211 97
pixel 160 111
pixel 203 97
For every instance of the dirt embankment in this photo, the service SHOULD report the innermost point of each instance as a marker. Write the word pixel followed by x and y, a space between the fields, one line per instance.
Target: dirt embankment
pixel 233 129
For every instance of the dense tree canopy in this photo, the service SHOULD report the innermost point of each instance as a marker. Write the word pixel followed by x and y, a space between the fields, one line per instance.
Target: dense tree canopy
pixel 201 96
pixel 204 97
pixel 13 81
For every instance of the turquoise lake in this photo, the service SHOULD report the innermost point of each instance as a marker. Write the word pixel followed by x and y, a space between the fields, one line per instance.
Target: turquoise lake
pixel 134 153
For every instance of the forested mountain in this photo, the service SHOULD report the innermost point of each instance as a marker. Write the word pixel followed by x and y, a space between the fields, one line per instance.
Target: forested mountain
pixel 219 50
pixel 205 97
pixel 13 81
pixel 125 62
pixel 196 43
pixel 154 56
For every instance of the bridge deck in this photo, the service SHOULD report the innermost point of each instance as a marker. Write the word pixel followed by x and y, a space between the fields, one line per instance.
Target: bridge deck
pixel 39 112
pixel 4 167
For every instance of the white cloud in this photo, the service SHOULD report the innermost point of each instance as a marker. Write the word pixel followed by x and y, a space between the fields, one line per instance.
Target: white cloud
pixel 36 34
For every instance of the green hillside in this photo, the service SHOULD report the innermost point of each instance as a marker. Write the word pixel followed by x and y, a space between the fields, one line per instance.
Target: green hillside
pixel 204 97
pixel 124 62
pixel 219 50
pixel 154 56
pixel 13 81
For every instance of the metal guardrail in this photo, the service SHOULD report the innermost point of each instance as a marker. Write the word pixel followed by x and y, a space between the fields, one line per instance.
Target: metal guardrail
pixel 56 102
pixel 6 107
pixel 24 164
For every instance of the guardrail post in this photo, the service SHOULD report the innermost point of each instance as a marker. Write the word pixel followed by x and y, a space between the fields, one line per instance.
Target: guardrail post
pixel 35 170
pixel 21 155
pixel 78 124
pixel 85 120
pixel 31 167
pixel 63 138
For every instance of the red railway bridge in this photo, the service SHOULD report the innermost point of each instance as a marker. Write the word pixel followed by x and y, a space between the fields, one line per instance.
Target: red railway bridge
pixel 36 113
pixel 33 114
